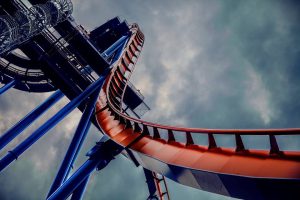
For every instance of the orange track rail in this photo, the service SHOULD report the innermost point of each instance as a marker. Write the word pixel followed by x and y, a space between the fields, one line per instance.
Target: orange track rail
pixel 134 134
pixel 158 183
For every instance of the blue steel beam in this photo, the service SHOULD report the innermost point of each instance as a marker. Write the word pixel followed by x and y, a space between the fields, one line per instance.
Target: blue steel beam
pixel 100 155
pixel 150 183
pixel 120 50
pixel 75 144
pixel 14 131
pixel 120 42
pixel 16 152
pixel 67 188
pixel 79 191
pixel 7 86
pixel 76 153
pixel 74 157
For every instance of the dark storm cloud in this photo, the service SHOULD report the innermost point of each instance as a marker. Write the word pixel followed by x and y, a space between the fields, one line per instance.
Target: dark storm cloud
pixel 214 64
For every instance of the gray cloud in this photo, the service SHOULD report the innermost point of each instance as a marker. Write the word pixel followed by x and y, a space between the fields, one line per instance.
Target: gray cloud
pixel 204 64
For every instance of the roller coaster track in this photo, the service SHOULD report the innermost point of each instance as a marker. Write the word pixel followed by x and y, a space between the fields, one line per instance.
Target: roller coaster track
pixel 236 172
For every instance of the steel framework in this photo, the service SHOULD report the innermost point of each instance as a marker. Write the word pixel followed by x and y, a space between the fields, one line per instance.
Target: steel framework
pixel 93 71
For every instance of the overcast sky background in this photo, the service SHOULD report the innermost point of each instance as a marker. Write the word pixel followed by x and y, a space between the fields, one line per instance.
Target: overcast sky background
pixel 209 63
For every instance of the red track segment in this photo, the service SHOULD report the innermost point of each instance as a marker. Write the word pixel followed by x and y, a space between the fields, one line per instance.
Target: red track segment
pixel 135 135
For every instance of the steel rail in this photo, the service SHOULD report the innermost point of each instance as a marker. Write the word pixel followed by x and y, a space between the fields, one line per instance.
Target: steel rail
pixel 115 87
pixel 173 153
pixel 110 98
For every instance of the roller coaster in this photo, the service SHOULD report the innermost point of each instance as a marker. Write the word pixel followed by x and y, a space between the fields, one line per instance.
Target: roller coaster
pixel 42 49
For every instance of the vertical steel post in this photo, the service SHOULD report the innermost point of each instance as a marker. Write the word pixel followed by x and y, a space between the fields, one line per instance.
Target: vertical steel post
pixel 13 155
pixel 7 86
pixel 75 144
pixel 14 131
pixel 79 191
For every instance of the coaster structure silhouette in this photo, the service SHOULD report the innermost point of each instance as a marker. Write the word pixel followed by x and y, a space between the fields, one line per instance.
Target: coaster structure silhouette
pixel 43 49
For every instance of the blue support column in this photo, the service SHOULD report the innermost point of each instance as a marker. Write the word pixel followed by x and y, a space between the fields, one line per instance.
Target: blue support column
pixel 76 143
pixel 119 50
pixel 150 180
pixel 100 155
pixel 108 52
pixel 16 152
pixel 14 131
pixel 67 188
pixel 7 86
pixel 79 191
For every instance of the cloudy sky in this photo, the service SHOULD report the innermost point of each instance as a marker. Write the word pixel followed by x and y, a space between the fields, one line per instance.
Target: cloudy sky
pixel 208 63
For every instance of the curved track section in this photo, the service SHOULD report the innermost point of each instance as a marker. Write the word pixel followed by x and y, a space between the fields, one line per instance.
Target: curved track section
pixel 236 172
pixel 15 66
